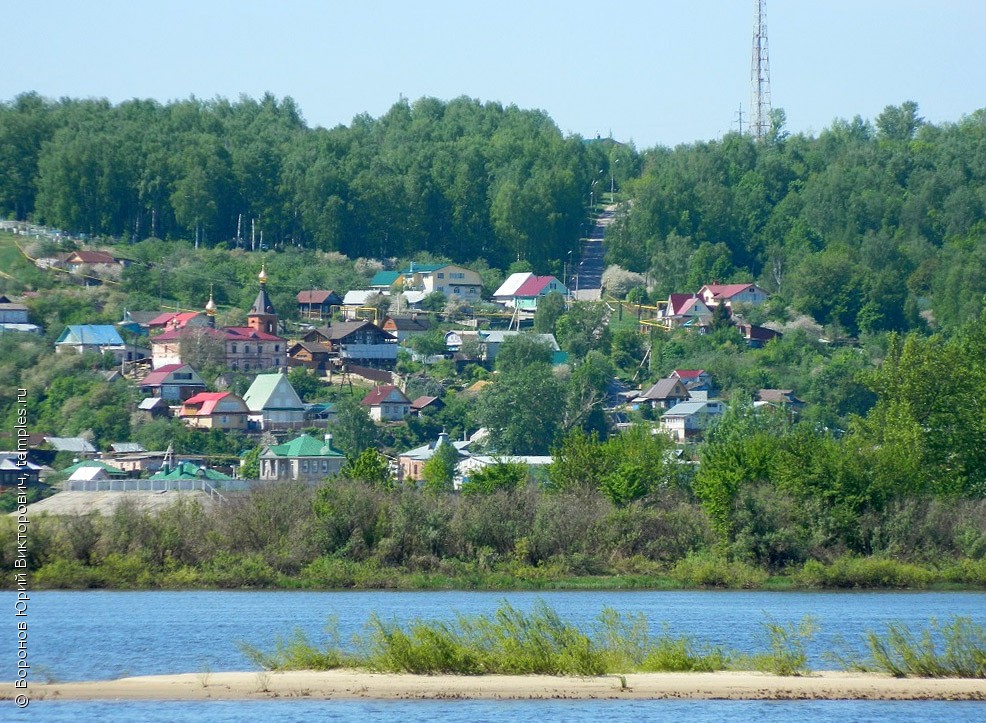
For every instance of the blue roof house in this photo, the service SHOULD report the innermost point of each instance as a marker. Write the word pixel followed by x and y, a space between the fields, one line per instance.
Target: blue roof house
pixel 98 338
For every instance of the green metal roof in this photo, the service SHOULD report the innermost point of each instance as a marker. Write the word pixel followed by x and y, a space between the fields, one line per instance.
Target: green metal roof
pixel 187 470
pixel 110 469
pixel 384 278
pixel 262 389
pixel 305 446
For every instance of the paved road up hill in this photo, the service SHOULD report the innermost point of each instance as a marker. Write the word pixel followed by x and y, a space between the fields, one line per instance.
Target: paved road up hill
pixel 586 280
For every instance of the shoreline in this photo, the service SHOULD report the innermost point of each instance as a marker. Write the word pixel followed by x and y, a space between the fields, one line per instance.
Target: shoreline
pixel 354 685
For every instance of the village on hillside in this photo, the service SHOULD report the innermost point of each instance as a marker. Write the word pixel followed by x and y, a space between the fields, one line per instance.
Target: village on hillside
pixel 343 344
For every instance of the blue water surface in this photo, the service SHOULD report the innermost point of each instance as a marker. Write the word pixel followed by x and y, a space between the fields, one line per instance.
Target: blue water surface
pixel 286 711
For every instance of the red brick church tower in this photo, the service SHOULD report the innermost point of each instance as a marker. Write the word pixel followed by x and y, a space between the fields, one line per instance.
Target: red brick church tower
pixel 262 316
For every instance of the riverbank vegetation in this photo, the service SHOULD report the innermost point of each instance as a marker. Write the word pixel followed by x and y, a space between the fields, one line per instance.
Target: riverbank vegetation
pixel 351 534
pixel 514 642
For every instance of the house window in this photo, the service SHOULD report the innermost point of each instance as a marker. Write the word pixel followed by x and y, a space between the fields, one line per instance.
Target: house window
pixel 325 466
pixel 304 466
pixel 224 419
pixel 246 366
pixel 277 347
pixel 246 348
pixel 234 348
pixel 441 275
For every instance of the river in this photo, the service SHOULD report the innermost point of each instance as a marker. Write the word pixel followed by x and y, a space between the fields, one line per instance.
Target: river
pixel 86 635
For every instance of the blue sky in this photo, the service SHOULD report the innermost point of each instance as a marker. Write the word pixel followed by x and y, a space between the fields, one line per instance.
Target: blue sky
pixel 656 72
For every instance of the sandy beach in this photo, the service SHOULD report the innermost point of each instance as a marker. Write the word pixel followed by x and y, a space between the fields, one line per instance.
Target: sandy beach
pixel 350 684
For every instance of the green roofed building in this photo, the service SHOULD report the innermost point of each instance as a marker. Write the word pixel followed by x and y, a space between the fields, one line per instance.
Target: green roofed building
pixel 190 470
pixel 94 463
pixel 303 458
pixel 273 403
pixel 383 280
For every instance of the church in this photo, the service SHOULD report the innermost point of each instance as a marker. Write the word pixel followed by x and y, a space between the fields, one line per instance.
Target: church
pixel 254 347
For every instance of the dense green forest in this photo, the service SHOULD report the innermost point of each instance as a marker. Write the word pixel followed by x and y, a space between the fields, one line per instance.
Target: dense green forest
pixel 866 228
pixel 462 179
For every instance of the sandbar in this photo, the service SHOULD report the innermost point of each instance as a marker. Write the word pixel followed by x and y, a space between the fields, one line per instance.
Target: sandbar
pixel 355 684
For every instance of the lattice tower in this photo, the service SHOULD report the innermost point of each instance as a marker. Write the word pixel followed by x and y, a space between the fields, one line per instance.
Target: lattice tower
pixel 760 76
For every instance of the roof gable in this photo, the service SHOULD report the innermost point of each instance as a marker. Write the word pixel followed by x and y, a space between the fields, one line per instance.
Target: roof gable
pixel 666 389
pixel 166 374
pixel 385 278
pixel 317 297
pixel 272 391
pixel 512 283
pixel 90 257
pixel 536 285
pixel 385 394
pixel 205 404
pixel 688 374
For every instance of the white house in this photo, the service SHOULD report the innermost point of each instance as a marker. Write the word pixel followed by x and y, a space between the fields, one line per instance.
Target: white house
pixel 387 403
pixel 729 294
pixel 689 419
pixel 685 310
pixel 447 279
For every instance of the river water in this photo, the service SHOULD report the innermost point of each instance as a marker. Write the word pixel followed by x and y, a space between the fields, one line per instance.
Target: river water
pixel 86 635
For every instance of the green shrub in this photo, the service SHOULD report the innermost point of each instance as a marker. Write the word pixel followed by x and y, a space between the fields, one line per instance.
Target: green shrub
pixel 70 574
pixel 966 572
pixel 297 653
pixel 864 572
pixel 956 649
pixel 705 570
pixel 787 653
pixel 227 570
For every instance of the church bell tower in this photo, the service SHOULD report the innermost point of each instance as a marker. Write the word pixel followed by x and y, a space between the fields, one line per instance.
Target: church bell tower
pixel 262 316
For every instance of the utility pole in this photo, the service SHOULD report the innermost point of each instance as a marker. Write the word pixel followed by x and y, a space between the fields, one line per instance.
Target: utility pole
pixel 760 76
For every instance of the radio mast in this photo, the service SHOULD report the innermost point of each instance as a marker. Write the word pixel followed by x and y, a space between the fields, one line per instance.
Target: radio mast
pixel 760 76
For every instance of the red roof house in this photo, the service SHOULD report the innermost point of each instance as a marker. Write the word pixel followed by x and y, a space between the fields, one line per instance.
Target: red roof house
pixel 172 382
pixel 215 410
pixel 387 403
pixel 729 294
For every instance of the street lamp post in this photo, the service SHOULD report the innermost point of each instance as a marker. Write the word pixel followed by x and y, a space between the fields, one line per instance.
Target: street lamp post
pixel 568 261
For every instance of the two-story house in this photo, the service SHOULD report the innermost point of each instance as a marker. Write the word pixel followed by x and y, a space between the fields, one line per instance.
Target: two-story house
pixel 730 294
pixel 359 342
